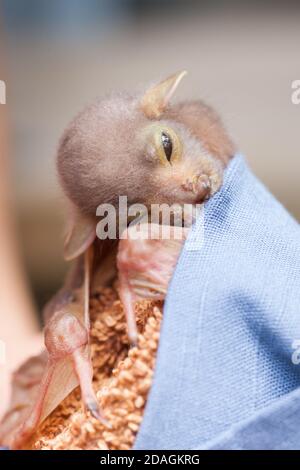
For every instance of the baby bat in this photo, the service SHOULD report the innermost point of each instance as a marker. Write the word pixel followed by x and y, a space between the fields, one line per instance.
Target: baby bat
pixel 154 152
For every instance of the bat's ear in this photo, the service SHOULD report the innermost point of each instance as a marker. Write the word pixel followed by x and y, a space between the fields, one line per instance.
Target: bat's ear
pixel 81 234
pixel 156 99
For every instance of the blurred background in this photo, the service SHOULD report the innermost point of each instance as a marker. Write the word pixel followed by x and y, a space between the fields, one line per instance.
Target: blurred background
pixel 60 54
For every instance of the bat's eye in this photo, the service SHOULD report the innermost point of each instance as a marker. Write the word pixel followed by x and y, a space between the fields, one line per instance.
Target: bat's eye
pixel 163 144
pixel 167 145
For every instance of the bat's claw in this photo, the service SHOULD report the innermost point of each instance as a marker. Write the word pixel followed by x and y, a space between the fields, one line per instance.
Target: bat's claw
pixel 133 342
pixel 95 411
pixel 133 336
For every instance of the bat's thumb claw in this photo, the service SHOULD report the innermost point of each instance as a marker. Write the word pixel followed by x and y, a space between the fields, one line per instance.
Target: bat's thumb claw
pixel 133 335
pixel 95 411
pixel 133 340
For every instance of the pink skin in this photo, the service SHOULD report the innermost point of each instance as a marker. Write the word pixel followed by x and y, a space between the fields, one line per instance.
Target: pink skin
pixel 66 341
pixel 145 267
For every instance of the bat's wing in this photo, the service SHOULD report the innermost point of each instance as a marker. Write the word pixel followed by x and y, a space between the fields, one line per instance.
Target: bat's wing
pixel 37 389
pixel 65 365
pixel 58 381
pixel 24 390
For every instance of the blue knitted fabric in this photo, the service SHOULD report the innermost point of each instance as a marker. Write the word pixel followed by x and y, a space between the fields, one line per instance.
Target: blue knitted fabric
pixel 231 319
pixel 276 427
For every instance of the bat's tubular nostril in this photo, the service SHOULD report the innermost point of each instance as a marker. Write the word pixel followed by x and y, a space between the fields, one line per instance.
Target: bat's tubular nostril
pixel 200 185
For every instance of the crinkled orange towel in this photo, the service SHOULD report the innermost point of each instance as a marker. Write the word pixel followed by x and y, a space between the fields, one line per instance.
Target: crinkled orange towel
pixel 122 379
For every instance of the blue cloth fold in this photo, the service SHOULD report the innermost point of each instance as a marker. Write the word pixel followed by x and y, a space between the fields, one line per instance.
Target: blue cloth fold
pixel 227 353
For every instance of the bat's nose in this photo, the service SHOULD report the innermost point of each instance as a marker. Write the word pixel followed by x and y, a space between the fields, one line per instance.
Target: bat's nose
pixel 200 186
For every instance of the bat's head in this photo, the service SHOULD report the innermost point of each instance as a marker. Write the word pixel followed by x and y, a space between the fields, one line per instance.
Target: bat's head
pixel 143 147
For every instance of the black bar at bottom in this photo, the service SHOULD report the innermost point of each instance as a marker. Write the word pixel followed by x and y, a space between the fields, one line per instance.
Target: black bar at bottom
pixel 132 459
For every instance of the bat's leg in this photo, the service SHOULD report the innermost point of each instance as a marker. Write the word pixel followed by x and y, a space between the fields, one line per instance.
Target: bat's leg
pixel 145 267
